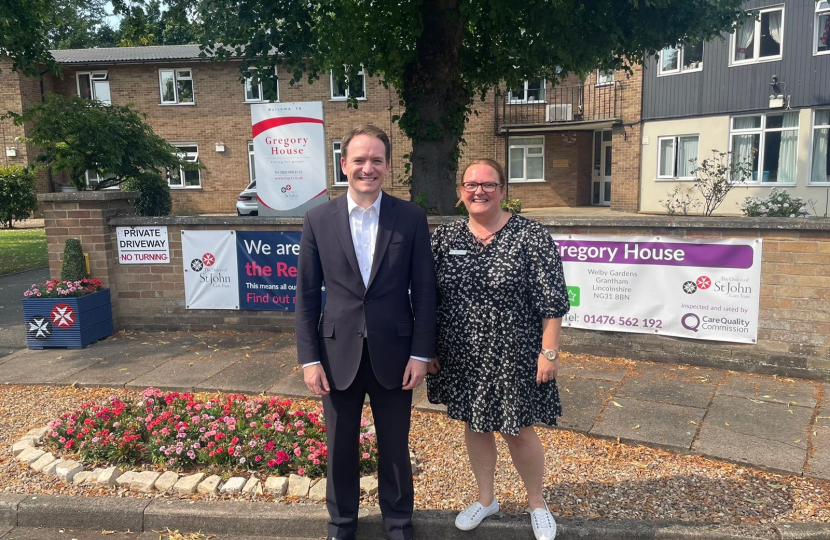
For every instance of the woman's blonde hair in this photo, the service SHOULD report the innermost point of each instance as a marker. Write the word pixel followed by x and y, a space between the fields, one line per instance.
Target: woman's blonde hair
pixel 495 165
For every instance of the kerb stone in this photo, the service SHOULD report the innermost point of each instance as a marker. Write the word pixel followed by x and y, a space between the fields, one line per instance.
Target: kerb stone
pixel 276 485
pixel 22 445
pixel 126 478
pixel 187 484
pixel 209 485
pixel 108 477
pixel 30 455
pixel 145 481
pixel 81 477
pixel 233 485
pixel 298 486
pixel 67 470
pixel 252 487
pixel 43 461
pixel 50 469
pixel 318 491
pixel 166 481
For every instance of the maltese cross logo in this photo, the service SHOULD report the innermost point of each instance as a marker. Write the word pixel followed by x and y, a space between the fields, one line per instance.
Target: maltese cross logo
pixel 39 327
pixel 63 316
pixel 196 265
pixel 208 259
pixel 703 283
pixel 689 287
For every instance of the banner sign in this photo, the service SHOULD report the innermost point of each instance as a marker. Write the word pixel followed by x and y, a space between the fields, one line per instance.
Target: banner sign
pixel 210 272
pixel 697 288
pixel 289 156
pixel 142 245
pixel 267 263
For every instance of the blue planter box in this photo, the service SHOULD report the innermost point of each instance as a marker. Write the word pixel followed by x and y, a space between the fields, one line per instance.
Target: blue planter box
pixel 67 322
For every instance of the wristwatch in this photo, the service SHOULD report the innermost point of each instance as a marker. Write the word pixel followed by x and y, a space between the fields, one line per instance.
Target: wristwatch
pixel 550 354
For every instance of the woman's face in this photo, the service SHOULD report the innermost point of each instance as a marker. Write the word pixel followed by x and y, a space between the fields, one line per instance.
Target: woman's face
pixel 481 203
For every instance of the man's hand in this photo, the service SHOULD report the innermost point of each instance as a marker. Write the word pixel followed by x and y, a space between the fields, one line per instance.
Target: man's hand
pixel 546 370
pixel 315 379
pixel 433 366
pixel 414 375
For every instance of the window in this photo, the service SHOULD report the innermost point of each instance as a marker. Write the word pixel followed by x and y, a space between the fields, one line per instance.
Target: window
pixel 681 59
pixel 529 91
pixel 770 143
pixel 251 162
pixel 181 178
pixel 340 91
pixel 677 156
pixel 605 76
pixel 254 93
pixel 340 179
pixel 94 178
pixel 94 85
pixel 176 86
pixel 822 27
pixel 527 159
pixel 820 172
pixel 760 39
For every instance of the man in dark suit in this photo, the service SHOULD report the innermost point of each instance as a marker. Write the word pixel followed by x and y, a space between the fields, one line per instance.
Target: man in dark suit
pixel 377 330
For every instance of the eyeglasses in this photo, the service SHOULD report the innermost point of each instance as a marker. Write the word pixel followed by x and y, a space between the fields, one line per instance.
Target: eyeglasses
pixel 488 187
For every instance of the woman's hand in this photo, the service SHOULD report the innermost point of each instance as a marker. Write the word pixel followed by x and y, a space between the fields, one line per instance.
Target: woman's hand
pixel 546 370
pixel 433 366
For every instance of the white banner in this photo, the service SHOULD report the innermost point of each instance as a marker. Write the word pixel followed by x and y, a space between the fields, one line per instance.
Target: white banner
pixel 698 288
pixel 211 279
pixel 143 245
pixel 290 155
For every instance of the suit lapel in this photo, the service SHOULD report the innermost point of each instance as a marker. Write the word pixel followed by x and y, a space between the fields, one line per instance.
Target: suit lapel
pixel 386 223
pixel 340 220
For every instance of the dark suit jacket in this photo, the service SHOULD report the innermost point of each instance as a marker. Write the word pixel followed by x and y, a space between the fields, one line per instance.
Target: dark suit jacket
pixel 396 327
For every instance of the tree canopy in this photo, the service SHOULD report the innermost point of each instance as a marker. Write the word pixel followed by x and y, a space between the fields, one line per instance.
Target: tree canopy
pixel 157 23
pixel 440 54
pixel 24 25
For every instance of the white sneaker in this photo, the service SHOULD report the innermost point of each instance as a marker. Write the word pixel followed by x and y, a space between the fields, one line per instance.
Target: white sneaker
pixel 469 518
pixel 544 526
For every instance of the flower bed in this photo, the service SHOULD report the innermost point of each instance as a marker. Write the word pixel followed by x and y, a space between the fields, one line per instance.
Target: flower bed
pixel 233 433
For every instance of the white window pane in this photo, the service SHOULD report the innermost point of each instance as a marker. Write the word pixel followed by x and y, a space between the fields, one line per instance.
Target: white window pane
pixel 821 157
pixel 517 163
pixel 746 122
pixel 191 178
pixel 534 151
pixel 771 32
pixel 536 91
pixel 527 141
pixel 687 151
pixel 168 87
pixel 692 56
pixel 183 74
pixel 780 152
pixel 102 91
pixel 666 158
pixel 669 59
pixel 745 148
pixel 185 89
pixel 535 166
pixel 823 31
pixel 745 40
pixel 823 117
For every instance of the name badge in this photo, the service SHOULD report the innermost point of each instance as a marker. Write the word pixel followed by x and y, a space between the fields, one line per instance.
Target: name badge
pixel 458 252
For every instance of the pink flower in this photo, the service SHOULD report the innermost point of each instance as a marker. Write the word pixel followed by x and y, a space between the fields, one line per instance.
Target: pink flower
pixel 365 455
pixel 297 452
pixel 301 471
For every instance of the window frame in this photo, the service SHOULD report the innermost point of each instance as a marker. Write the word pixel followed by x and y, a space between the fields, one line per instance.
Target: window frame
pixel 336 154
pixel 819 13
pixel 176 79
pixel 345 96
pixel 182 171
pixel 247 83
pixel 763 130
pixel 756 45
pixel 515 101
pixel 681 54
pixel 99 179
pixel 524 179
pixel 91 74
pixel 251 164
pixel 676 147
pixel 813 128
pixel 602 80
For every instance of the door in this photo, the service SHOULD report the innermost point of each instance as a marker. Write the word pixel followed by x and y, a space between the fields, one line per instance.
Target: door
pixel 601 175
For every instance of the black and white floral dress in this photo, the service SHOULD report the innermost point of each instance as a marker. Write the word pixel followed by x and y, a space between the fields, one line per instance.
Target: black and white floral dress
pixel 491 303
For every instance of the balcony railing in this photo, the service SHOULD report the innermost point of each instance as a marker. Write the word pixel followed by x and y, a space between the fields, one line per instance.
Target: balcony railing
pixel 562 105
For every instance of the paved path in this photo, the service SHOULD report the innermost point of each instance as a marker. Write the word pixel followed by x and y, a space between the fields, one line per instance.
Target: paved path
pixel 12 331
pixel 773 423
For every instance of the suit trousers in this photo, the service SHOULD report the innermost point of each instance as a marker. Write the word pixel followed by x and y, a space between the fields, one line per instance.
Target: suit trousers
pixel 391 410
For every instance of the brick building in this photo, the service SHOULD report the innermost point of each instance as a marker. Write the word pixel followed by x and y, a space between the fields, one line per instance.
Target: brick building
pixel 555 142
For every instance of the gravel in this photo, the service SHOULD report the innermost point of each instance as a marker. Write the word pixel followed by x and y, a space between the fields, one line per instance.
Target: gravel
pixel 586 477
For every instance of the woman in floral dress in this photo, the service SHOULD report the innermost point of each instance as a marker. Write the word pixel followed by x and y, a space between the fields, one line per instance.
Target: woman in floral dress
pixel 501 299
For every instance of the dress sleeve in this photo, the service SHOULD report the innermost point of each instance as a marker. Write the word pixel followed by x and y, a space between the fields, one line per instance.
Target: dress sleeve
pixel 548 293
pixel 437 241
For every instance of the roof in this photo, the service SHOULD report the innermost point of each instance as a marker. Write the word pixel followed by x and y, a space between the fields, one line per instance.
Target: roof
pixel 157 53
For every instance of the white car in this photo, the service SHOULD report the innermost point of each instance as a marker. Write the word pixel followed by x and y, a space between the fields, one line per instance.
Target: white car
pixel 246 203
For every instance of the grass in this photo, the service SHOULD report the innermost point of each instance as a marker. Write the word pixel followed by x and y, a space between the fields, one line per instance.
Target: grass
pixel 22 249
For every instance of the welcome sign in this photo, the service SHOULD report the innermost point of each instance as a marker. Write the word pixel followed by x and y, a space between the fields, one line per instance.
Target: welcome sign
pixel 700 288
pixel 289 157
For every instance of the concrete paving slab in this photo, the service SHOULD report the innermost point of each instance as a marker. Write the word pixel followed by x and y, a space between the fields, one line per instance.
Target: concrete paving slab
pixel 759 433
pixel 8 508
pixel 582 401
pixel 818 463
pixel 594 368
pixel 4 530
pixel 803 531
pixel 254 373
pixel 680 385
pixel 103 513
pixel 38 533
pixel 12 329
pixel 291 386
pixel 182 373
pixel 797 392
pixel 122 366
pixel 47 366
pixel 656 424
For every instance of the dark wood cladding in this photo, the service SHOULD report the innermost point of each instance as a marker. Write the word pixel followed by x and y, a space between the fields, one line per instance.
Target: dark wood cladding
pixel 721 89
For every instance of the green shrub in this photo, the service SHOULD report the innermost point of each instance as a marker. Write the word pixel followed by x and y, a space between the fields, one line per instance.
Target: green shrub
pixel 778 203
pixel 155 194
pixel 73 267
pixel 512 205
pixel 18 199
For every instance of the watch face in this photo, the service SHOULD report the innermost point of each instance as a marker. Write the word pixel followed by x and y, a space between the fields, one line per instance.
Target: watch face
pixel 550 354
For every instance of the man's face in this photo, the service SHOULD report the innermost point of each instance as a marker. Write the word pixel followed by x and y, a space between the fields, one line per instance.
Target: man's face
pixel 365 165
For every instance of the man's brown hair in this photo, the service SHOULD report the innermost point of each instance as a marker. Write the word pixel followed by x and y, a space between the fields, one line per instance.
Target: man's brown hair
pixel 370 130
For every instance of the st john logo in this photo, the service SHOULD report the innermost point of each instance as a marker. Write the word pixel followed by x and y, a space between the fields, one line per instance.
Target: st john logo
pixel 38 327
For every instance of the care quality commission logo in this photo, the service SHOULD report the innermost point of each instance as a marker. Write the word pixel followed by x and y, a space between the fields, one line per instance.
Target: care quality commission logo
pixel 702 283
pixel 207 260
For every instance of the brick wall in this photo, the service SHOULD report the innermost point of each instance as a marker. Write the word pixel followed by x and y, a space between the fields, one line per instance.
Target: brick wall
pixel 626 145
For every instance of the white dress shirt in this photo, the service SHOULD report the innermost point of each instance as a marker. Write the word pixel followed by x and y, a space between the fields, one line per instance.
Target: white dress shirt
pixel 363 223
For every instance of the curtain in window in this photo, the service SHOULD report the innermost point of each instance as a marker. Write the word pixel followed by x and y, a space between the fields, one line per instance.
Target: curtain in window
pixel 775 26
pixel 744 148
pixel 686 156
pixel 746 33
pixel 666 157
pixel 746 122
pixel 820 143
pixel 787 156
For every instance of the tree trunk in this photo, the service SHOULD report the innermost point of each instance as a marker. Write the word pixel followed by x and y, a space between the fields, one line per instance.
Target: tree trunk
pixel 437 103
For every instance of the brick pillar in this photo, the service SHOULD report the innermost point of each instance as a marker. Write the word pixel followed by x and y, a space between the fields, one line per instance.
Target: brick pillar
pixel 85 215
pixel 627 140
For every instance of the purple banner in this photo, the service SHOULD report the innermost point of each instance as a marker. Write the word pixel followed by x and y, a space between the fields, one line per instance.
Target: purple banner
pixel 656 253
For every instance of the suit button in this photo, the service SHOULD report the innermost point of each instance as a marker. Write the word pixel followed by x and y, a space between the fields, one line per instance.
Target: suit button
pixel 360 334
pixel 366 301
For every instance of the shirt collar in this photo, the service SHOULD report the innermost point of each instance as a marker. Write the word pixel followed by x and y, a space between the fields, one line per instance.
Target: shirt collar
pixel 351 205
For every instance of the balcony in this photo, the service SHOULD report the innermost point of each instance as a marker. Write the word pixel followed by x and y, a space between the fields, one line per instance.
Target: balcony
pixel 577 107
